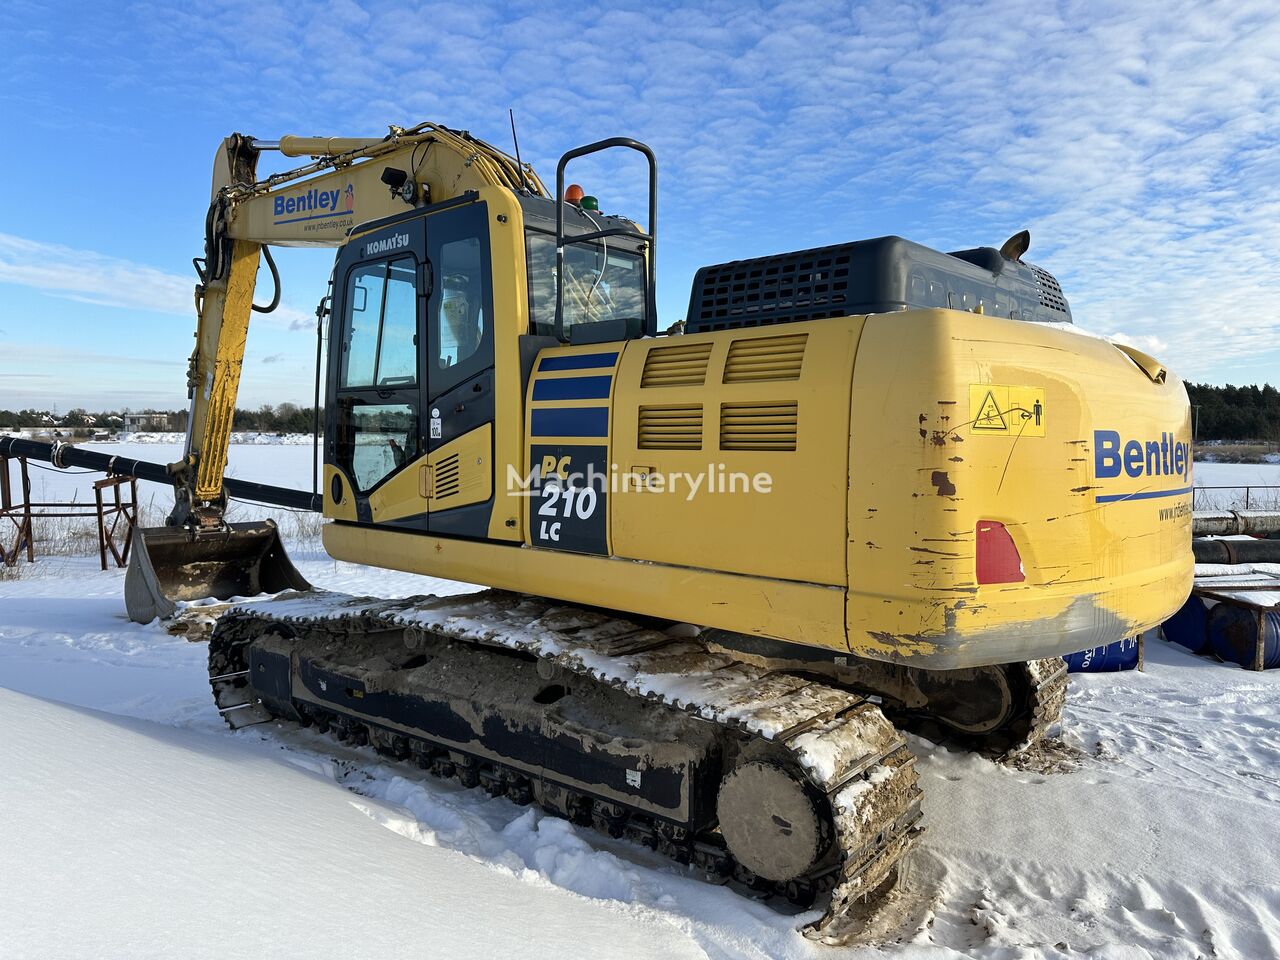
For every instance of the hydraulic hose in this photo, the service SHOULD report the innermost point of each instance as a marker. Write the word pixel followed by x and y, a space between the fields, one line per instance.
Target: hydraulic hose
pixel 275 278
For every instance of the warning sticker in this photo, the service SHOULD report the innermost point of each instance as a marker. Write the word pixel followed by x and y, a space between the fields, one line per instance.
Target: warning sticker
pixel 1008 411
pixel 989 416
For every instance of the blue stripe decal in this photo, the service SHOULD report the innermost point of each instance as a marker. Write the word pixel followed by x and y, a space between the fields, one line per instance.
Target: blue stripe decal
pixel 1146 495
pixel 571 422
pixel 316 216
pixel 573 388
pixel 580 361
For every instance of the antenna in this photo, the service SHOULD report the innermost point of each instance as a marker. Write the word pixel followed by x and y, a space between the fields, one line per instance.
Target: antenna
pixel 516 140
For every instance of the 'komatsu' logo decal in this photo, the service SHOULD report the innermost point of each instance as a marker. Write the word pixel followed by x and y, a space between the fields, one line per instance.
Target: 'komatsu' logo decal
pixel 1141 458
pixel 315 204
pixel 397 241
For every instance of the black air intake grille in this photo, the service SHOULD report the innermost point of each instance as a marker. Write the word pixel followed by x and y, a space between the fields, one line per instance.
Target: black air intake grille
pixel 806 285
pixel 1049 289
pixel 448 478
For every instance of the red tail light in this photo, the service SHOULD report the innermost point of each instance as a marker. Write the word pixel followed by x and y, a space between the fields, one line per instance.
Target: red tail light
pixel 997 556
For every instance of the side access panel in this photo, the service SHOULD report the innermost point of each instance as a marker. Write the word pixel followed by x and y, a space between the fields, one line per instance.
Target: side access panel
pixel 733 450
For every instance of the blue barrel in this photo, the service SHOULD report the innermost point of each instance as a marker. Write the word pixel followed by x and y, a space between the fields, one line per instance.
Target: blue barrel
pixel 1189 627
pixel 1121 655
pixel 1233 634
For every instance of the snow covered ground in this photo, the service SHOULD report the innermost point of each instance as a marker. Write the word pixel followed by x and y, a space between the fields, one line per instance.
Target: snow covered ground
pixel 133 824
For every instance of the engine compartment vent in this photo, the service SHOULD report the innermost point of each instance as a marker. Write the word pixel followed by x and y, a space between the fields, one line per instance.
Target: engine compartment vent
pixel 1050 290
pixel 760 425
pixel 806 285
pixel 684 365
pixel 765 358
pixel 671 427
pixel 447 480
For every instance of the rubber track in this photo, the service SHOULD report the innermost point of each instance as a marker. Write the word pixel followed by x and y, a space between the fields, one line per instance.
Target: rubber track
pixel 841 741
pixel 1046 696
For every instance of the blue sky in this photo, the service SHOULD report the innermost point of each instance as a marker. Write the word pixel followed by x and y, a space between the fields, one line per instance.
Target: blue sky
pixel 1140 145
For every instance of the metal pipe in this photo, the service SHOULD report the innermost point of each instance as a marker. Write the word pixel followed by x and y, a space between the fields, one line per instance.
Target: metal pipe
pixel 1236 551
pixel 1225 523
pixel 68 455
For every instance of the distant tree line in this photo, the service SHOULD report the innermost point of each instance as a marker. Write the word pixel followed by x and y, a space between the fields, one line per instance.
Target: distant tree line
pixel 1235 413
pixel 282 418
pixel 278 418
pixel 1220 413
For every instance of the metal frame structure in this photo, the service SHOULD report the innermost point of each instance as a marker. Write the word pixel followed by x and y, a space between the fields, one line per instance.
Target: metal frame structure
pixel 19 513
pixel 1273 489
pixel 1237 595
pixel 110 509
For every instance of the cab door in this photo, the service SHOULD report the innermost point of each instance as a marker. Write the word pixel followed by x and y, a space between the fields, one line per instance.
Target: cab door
pixel 458 394
pixel 374 427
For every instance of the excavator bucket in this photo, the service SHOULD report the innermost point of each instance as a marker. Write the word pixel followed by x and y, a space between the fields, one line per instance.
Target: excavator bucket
pixel 170 564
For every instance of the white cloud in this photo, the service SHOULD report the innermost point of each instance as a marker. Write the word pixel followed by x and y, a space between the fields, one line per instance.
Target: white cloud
pixel 91 277
pixel 87 276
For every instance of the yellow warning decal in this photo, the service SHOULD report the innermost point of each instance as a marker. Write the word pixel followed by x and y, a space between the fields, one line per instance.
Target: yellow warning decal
pixel 1008 411
pixel 989 416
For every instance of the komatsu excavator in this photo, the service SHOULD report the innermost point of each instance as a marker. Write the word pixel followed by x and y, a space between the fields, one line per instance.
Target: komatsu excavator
pixel 887 486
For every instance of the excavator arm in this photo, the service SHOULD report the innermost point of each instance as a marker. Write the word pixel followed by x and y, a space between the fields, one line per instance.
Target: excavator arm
pixel 347 181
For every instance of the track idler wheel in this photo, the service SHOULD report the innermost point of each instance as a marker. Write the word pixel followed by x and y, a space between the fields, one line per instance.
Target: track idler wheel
pixel 976 701
pixel 770 820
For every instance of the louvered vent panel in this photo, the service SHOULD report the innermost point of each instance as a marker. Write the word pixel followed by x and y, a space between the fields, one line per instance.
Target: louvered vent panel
pixel 684 365
pixel 448 480
pixel 758 426
pixel 670 428
pixel 765 358
pixel 1049 290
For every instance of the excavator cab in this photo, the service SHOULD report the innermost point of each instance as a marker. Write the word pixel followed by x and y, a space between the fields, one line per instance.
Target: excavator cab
pixel 438 316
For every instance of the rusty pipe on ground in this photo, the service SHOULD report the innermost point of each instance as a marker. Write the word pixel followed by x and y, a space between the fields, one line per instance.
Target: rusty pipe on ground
pixel 1225 523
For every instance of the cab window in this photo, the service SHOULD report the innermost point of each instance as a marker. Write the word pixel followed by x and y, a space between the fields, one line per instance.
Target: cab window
pixel 381 342
pixel 601 282
pixel 377 398
pixel 460 312
pixel 461 303
pixel 384 437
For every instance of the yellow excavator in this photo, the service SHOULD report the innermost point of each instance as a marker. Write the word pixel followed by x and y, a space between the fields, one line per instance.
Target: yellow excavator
pixel 858 489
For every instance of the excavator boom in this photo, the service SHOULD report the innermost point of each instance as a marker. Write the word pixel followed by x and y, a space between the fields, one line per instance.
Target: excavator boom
pixel 347 181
